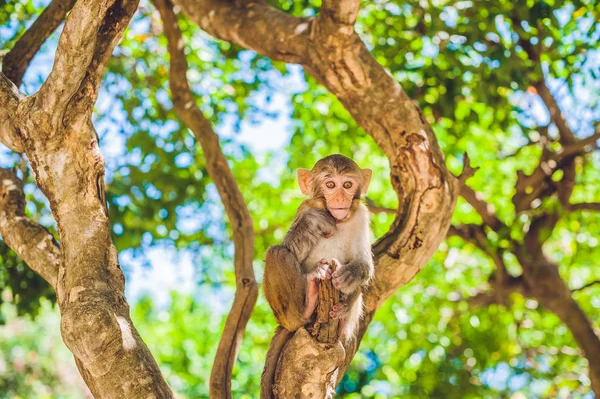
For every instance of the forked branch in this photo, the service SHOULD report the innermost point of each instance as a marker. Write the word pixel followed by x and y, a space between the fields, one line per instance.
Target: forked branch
pixel 17 60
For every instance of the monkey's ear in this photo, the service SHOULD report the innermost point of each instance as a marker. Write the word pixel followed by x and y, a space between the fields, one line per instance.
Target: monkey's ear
pixel 304 180
pixel 366 180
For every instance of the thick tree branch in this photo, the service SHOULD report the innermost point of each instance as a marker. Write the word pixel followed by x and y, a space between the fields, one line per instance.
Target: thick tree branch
pixel 550 290
pixel 235 206
pixel 9 101
pixel 339 16
pixel 109 34
pixel 256 26
pixel 31 241
pixel 15 63
pixel 69 169
pixel 70 67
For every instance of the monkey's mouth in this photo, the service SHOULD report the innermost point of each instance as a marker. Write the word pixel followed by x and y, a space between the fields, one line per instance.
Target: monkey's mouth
pixel 339 213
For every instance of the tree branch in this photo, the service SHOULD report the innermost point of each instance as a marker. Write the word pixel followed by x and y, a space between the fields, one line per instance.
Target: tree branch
pixel 339 16
pixel 70 67
pixel 235 206
pixel 539 183
pixel 15 63
pixel 374 208
pixel 468 171
pixel 109 34
pixel 31 241
pixel 256 26
pixel 585 206
pixel 588 285
pixel 485 210
pixel 9 101
pixel 69 169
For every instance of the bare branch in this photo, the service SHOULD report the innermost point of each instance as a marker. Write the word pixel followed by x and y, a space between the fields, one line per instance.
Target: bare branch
pixel 475 234
pixel 31 241
pixel 467 171
pixel 588 285
pixel 15 63
pixel 116 20
pixel 9 101
pixel 70 67
pixel 235 206
pixel 556 116
pixel 485 210
pixel 339 15
pixel 539 183
pixel 374 208
pixel 256 26
pixel 585 206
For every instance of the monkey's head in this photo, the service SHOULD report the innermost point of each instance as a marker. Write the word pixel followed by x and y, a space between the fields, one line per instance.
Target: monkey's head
pixel 338 181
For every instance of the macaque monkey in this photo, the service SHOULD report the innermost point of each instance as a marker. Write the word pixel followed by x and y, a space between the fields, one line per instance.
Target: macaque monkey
pixel 329 239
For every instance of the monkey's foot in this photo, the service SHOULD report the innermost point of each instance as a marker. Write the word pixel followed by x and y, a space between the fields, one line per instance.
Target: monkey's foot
pixel 312 298
pixel 339 311
pixel 321 272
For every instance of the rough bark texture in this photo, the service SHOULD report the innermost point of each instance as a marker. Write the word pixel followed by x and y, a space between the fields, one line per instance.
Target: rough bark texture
pixel 325 329
pixel 31 241
pixel 235 207
pixel 332 52
pixel 53 127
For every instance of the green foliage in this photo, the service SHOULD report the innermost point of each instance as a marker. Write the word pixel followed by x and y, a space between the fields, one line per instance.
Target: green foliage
pixel 466 65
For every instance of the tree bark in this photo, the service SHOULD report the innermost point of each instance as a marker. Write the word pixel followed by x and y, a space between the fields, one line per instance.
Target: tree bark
pixel 53 127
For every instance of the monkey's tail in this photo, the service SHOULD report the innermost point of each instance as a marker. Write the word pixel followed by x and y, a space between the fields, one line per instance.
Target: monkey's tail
pixel 267 379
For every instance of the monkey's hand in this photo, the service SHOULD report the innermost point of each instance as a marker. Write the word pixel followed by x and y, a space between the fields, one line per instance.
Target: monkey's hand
pixel 321 272
pixel 346 278
pixel 321 222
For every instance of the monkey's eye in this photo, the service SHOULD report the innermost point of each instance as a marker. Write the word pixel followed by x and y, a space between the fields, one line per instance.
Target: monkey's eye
pixel 330 184
pixel 348 184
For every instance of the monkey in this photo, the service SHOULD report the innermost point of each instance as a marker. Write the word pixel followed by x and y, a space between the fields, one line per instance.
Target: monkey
pixel 328 239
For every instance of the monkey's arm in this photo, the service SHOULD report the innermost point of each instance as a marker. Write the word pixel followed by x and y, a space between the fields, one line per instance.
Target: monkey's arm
pixel 309 226
pixel 284 285
pixel 285 282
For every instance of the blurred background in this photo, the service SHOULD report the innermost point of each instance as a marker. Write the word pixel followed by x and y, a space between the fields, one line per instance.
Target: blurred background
pixel 443 335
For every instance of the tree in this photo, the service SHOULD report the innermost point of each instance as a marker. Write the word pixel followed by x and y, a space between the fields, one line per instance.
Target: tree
pixel 53 128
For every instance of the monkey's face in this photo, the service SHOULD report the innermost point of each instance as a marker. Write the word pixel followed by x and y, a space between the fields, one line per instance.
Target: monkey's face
pixel 339 191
